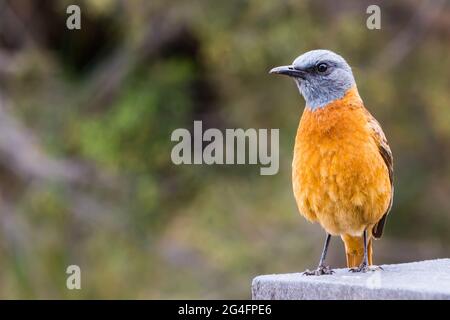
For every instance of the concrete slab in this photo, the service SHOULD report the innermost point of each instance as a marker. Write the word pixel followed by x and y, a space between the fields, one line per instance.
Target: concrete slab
pixel 417 280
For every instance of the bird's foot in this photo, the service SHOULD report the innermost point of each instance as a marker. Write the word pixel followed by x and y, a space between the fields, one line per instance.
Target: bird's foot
pixel 321 270
pixel 365 268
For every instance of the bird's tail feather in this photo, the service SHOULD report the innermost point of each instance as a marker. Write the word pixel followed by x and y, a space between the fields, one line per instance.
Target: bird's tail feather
pixel 354 249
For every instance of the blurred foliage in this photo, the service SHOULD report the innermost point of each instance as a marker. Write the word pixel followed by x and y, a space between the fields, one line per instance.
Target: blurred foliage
pixel 108 97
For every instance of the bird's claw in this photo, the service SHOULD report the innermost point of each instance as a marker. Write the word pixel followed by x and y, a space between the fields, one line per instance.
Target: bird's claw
pixel 321 270
pixel 365 268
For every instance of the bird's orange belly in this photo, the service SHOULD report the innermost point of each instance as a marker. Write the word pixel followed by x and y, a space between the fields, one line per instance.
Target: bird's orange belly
pixel 342 184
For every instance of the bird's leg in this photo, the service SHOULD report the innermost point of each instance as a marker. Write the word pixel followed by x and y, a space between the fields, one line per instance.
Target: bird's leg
pixel 364 266
pixel 321 269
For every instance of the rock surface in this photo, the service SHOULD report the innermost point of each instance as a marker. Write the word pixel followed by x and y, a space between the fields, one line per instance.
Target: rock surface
pixel 417 280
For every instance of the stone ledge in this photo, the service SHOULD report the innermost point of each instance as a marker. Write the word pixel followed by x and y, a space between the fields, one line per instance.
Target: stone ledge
pixel 417 280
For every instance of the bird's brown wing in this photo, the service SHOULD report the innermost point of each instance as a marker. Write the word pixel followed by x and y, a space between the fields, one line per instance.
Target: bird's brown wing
pixel 386 154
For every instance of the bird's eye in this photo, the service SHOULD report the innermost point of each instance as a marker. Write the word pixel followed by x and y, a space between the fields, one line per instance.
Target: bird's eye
pixel 322 67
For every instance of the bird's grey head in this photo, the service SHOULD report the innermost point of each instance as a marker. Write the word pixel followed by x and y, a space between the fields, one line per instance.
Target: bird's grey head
pixel 322 76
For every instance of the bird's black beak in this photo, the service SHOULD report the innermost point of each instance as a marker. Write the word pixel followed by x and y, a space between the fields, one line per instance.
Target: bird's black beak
pixel 290 71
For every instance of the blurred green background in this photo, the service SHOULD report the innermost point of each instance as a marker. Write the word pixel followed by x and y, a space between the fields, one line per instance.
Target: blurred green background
pixel 85 123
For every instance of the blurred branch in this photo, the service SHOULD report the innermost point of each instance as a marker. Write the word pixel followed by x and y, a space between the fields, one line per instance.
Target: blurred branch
pixel 162 30
pixel 426 14
pixel 16 25
pixel 8 64
pixel 20 152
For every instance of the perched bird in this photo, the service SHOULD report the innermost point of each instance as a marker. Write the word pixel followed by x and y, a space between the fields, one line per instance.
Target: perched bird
pixel 342 171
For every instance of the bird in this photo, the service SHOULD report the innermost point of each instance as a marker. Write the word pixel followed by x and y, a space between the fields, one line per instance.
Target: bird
pixel 342 168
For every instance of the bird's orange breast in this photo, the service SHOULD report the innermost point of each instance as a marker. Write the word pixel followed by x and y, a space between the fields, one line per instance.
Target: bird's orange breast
pixel 339 177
